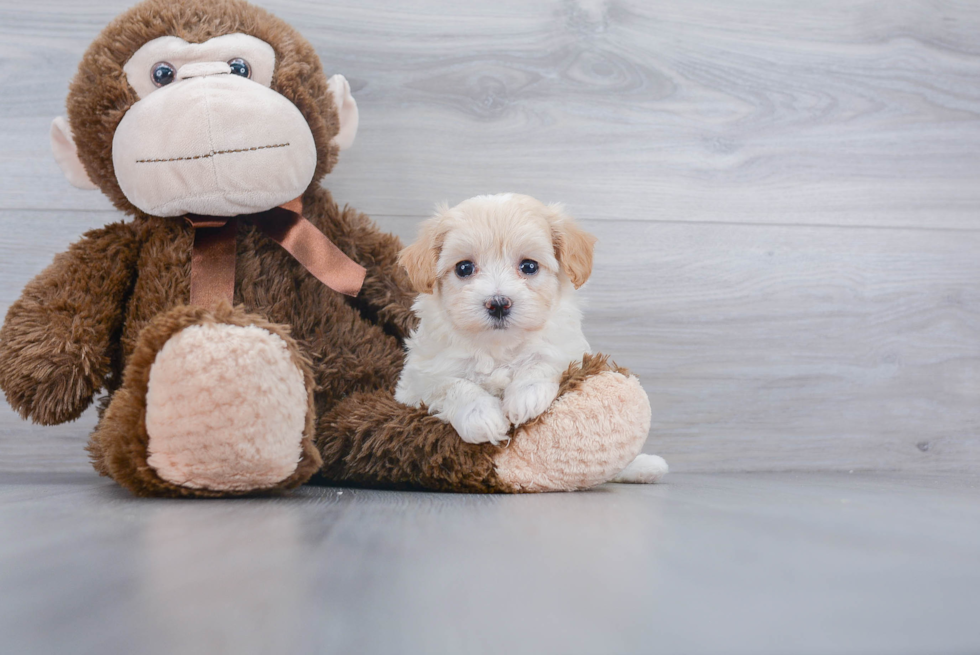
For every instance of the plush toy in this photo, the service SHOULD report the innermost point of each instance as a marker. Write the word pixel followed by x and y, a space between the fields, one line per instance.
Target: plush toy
pixel 246 332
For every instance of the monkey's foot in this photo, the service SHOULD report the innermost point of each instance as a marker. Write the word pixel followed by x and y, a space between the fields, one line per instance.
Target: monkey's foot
pixel 592 431
pixel 225 409
pixel 211 404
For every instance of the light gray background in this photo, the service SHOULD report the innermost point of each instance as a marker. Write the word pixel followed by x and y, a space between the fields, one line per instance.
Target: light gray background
pixel 787 197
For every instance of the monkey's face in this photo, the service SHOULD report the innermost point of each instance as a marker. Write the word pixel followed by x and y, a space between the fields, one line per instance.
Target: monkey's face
pixel 209 135
pixel 192 120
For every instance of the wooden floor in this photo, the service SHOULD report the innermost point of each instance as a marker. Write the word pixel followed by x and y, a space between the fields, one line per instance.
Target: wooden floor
pixel 787 197
pixel 760 563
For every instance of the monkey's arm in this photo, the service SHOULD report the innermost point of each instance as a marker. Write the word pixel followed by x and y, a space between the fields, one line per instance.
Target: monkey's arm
pixel 387 293
pixel 56 342
pixel 387 290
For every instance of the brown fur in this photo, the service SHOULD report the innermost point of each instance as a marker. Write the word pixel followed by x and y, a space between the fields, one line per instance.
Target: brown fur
pixel 579 372
pixel 95 319
pixel 389 445
pixel 58 344
pixel 383 440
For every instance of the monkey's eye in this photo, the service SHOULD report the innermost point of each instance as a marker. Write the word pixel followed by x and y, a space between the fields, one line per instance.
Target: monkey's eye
pixel 529 267
pixel 240 67
pixel 465 268
pixel 163 73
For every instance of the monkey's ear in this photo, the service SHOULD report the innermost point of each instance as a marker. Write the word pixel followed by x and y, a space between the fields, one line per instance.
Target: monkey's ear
pixel 66 154
pixel 346 111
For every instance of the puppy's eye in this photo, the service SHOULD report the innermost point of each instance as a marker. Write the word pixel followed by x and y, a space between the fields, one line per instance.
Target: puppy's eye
pixel 529 267
pixel 465 268
pixel 162 74
pixel 240 67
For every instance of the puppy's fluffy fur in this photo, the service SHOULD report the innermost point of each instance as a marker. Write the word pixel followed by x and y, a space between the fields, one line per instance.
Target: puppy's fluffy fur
pixel 493 341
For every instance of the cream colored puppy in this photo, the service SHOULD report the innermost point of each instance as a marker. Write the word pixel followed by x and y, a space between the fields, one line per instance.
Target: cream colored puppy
pixel 498 319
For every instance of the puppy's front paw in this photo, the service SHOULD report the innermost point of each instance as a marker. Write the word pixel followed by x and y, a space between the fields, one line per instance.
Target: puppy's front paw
pixel 481 421
pixel 526 400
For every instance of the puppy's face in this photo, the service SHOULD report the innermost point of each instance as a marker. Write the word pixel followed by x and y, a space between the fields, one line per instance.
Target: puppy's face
pixel 499 262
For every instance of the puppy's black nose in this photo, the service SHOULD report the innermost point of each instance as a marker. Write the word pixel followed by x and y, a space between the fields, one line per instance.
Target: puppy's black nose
pixel 498 306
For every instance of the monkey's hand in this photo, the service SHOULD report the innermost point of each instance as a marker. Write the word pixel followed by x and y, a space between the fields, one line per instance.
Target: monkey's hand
pixel 56 342
pixel 387 294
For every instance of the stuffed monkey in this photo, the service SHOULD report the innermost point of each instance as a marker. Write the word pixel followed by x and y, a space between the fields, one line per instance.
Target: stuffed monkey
pixel 244 333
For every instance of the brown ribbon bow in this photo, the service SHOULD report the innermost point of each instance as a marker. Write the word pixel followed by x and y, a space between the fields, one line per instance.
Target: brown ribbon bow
pixel 213 259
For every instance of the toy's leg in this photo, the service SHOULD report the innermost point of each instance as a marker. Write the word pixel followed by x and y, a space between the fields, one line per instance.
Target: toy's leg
pixel 370 440
pixel 593 430
pixel 212 404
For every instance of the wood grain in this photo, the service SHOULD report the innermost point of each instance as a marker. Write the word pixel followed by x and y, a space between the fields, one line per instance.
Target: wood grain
pixel 767 564
pixel 786 197
pixel 839 113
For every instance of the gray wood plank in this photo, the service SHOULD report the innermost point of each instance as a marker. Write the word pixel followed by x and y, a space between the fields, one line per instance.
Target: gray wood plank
pixel 762 564
pixel 842 113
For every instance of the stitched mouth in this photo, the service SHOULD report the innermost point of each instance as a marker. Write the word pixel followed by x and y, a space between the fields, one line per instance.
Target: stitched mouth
pixel 213 153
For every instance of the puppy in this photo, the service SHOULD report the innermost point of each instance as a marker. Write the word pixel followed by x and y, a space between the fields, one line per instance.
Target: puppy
pixel 498 319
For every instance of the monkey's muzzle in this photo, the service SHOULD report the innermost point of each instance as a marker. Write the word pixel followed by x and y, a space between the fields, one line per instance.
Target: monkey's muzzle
pixel 215 145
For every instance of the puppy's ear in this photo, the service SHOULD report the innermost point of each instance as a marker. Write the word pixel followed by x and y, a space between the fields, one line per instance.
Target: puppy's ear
pixel 573 246
pixel 422 257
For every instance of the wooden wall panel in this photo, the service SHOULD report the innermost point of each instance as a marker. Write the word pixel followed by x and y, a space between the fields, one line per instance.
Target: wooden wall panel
pixel 786 197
